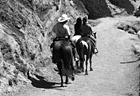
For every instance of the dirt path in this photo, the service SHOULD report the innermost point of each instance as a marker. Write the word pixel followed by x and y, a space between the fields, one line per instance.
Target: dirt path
pixel 110 77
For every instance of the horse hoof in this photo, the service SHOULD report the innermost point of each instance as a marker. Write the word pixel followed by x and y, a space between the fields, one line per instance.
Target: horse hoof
pixel 86 73
pixel 91 69
pixel 67 83
pixel 63 86
pixel 72 78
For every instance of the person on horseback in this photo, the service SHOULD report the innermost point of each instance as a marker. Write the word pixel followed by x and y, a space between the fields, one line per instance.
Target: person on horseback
pixel 87 31
pixel 62 32
pixel 77 26
pixel 77 30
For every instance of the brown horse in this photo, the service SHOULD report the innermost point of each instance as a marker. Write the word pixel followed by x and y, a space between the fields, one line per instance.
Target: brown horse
pixel 85 47
pixel 64 58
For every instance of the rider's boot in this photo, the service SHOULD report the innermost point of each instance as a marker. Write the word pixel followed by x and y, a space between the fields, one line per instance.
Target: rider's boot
pixel 76 57
pixel 94 42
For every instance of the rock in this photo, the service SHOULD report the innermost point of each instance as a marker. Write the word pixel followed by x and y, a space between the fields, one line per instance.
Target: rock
pixel 104 8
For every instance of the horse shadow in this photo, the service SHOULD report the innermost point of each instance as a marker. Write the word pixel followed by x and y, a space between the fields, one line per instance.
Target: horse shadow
pixel 41 83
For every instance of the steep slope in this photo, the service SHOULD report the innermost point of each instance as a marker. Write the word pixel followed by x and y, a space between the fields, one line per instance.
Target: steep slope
pixel 25 37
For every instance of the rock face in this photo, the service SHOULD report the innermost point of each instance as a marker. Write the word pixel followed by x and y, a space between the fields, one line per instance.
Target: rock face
pixel 126 4
pixel 25 35
pixel 104 8
pixel 97 8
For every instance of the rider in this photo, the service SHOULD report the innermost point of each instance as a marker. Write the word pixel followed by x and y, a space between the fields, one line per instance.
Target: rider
pixel 87 31
pixel 77 26
pixel 62 31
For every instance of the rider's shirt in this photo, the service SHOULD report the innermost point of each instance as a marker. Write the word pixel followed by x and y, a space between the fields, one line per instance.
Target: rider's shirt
pixel 61 30
pixel 77 29
pixel 86 30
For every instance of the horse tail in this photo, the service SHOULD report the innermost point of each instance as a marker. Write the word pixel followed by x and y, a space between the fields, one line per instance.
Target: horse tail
pixel 67 56
pixel 82 50
pixel 67 60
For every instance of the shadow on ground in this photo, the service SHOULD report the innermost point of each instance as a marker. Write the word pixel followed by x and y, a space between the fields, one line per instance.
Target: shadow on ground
pixel 41 83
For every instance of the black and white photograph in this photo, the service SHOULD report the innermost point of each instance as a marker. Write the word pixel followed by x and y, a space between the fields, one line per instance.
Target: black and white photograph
pixel 69 47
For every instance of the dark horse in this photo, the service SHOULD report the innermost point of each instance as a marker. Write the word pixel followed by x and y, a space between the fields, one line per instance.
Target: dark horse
pixel 85 47
pixel 64 58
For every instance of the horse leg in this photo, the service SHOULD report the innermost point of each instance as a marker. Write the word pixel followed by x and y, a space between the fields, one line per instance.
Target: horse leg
pixel 86 73
pixel 82 65
pixel 72 68
pixel 61 76
pixel 90 60
pixel 59 65
pixel 77 64
pixel 67 80
pixel 82 59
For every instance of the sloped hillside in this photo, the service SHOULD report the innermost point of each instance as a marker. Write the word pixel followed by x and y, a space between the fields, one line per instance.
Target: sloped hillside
pixel 25 36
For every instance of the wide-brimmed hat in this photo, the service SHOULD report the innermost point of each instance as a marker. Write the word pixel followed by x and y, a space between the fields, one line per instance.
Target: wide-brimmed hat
pixel 63 18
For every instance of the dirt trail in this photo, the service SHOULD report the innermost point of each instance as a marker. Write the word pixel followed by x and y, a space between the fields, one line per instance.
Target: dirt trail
pixel 110 77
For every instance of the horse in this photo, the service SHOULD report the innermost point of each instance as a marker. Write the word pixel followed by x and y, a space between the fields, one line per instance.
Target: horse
pixel 75 38
pixel 64 59
pixel 85 47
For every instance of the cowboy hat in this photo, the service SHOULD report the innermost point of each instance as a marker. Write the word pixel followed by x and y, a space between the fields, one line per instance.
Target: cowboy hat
pixel 63 18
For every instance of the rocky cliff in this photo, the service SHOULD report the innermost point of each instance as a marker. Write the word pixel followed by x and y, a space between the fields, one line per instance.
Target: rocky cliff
pixel 105 8
pixel 25 36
